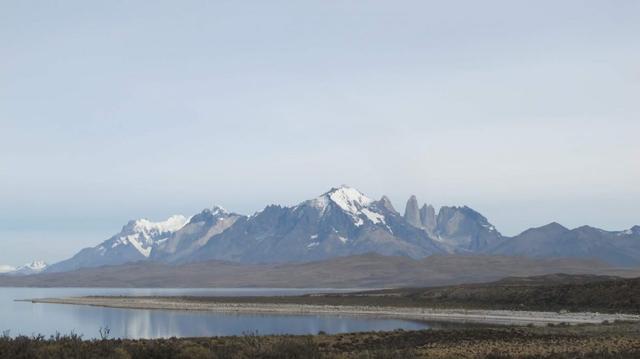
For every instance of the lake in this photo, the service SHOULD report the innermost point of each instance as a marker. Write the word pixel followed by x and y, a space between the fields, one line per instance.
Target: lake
pixel 28 318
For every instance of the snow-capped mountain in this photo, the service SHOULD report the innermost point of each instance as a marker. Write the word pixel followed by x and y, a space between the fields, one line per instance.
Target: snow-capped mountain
pixel 135 242
pixel 31 268
pixel 142 235
pixel 195 234
pixel 340 222
pixel 34 267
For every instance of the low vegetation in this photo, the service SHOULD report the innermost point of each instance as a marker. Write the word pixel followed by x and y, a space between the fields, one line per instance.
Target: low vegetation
pixel 543 293
pixel 616 340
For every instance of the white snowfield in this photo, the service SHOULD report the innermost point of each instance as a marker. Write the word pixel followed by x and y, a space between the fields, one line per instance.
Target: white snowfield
pixel 351 201
pixel 144 235
pixel 35 265
pixel 446 315
pixel 172 224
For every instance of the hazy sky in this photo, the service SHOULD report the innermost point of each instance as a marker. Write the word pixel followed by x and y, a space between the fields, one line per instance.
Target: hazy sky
pixel 528 111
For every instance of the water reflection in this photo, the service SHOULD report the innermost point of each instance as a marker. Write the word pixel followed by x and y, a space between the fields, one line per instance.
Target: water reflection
pixel 28 318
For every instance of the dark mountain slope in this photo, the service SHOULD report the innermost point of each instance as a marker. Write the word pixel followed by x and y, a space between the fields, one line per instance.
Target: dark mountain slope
pixel 620 248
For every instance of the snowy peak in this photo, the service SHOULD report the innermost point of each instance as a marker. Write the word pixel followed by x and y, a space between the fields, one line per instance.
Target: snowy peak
pixel 34 267
pixel 144 225
pixel 348 199
pixel 140 239
pixel 216 211
pixel 344 197
pixel 209 214
pixel 342 221
pixel 143 235
pixel 353 203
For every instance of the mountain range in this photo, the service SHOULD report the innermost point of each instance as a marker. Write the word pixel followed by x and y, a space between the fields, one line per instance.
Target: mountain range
pixel 344 222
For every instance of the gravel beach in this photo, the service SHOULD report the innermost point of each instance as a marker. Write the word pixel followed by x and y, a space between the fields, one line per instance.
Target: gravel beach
pixel 457 315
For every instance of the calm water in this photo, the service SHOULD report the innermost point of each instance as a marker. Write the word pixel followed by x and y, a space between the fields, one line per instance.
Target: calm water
pixel 27 318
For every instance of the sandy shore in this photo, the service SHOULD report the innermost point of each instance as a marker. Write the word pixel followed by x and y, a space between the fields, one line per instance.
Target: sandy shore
pixel 476 316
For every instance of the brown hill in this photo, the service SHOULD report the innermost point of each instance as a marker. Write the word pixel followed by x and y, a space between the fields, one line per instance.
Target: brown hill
pixel 364 271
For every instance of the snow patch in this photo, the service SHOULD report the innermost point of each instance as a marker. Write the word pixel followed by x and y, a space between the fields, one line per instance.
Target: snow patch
pixel 145 251
pixel 36 265
pixel 172 224
pixel 314 244
pixel 216 210
pixel 489 226
pixel 343 239
pixel 373 216
pixel 144 235
pixel 319 203
pixel 349 199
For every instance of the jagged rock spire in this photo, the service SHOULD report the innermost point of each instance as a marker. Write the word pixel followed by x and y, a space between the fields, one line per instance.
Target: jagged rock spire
pixel 412 213
pixel 428 217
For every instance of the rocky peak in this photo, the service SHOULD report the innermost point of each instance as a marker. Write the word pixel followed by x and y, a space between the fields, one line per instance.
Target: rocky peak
pixel 465 229
pixel 428 217
pixel 412 213
pixel 553 227
pixel 385 203
pixel 209 214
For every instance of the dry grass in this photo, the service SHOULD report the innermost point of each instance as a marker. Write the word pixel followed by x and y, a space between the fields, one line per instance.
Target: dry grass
pixel 575 293
pixel 620 340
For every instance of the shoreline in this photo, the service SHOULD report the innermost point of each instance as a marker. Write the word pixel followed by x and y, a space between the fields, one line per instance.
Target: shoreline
pixel 508 317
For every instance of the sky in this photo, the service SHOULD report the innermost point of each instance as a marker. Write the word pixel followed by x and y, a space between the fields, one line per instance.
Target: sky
pixel 527 111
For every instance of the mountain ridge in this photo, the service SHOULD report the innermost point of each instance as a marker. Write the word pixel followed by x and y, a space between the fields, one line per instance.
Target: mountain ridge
pixel 345 222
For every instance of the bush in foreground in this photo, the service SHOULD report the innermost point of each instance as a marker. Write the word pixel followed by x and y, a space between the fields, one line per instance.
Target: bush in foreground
pixel 619 340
